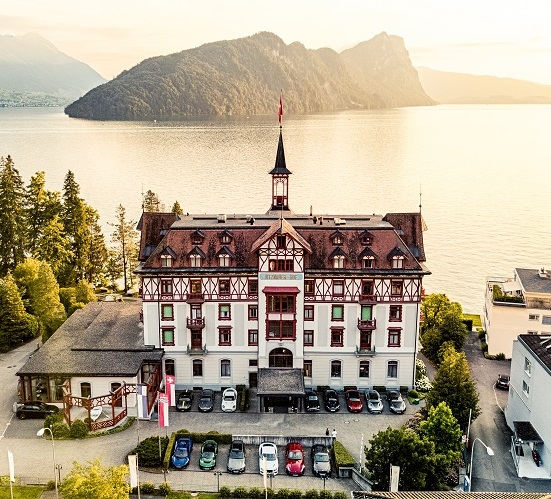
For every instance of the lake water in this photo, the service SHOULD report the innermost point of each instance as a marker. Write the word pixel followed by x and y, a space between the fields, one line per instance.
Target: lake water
pixel 484 173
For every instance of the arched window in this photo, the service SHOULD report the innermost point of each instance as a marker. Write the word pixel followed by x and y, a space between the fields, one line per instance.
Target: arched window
pixel 281 357
pixel 336 369
pixel 392 369
pixel 364 369
pixel 85 390
pixel 170 367
pixel 225 368
pixel 197 368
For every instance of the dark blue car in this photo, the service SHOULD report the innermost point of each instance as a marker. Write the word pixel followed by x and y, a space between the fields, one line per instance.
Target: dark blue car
pixel 182 452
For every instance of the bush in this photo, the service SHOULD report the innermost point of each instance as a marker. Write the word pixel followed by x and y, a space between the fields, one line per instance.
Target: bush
pixel 325 494
pixel 51 419
pixel 282 494
pixel 147 488
pixel 60 430
pixel 342 456
pixel 225 492
pixel 484 346
pixel 240 492
pixel 148 450
pixel 79 429
pixel 164 489
pixel 500 356
pixel 311 494
pixel 255 493
pixel 481 334
pixel 413 394
pixel 50 485
pixel 339 494
pixel 295 494
pixel 423 384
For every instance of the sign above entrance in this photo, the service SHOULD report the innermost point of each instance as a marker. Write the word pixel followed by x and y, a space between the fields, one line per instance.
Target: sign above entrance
pixel 280 277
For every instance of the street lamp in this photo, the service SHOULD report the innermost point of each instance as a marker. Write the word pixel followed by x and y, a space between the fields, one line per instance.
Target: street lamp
pixel 489 451
pixel 40 433
pixel 217 474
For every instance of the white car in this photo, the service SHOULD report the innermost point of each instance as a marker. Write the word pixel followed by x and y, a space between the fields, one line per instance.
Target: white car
pixel 267 453
pixel 229 400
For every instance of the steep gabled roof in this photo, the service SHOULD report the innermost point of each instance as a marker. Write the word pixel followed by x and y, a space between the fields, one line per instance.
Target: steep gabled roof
pixel 153 227
pixel 281 226
pixel 410 227
pixel 280 167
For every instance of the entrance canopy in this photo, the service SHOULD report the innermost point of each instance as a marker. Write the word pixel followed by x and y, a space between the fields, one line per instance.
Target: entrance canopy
pixel 280 382
pixel 526 432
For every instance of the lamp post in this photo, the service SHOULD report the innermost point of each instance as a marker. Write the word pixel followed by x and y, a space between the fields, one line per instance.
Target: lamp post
pixel 217 474
pixel 40 433
pixel 489 451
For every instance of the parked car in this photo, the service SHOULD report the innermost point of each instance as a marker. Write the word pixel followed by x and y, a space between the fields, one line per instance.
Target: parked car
pixel 181 453
pixel 331 401
pixel 35 410
pixel 503 381
pixel 184 400
pixel 312 401
pixel 268 450
pixel 397 405
pixel 294 459
pixel 353 400
pixel 392 394
pixel 209 451
pixel 321 461
pixel 229 400
pixel 374 402
pixel 206 402
pixel 236 459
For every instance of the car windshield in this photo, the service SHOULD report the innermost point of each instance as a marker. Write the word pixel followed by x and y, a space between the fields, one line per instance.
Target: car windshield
pixel 373 396
pixel 205 398
pixel 180 453
pixel 208 455
pixel 397 403
pixel 229 397
pixel 321 458
pixel 313 398
pixel 236 454
pixel 295 454
pixel 268 456
pixel 185 397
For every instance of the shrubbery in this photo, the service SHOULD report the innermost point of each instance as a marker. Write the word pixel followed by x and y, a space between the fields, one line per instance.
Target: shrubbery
pixel 79 429
pixel 148 451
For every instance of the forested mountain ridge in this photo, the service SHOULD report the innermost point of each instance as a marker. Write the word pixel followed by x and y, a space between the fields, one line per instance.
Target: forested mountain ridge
pixel 245 77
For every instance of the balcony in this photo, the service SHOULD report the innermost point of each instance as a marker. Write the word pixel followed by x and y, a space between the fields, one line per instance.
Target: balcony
pixel 365 351
pixel 195 298
pixel 197 323
pixel 197 350
pixel 363 325
pixel 367 299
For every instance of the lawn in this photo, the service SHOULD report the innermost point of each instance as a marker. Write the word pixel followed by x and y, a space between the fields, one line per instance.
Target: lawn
pixel 29 492
pixel 473 317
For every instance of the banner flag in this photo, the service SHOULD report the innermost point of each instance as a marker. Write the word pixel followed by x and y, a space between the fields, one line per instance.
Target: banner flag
pixel 163 409
pixel 394 478
pixel 10 466
pixel 142 401
pixel 133 466
pixel 170 383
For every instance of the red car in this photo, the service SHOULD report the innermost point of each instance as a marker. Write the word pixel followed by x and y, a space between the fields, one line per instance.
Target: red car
pixel 294 459
pixel 353 400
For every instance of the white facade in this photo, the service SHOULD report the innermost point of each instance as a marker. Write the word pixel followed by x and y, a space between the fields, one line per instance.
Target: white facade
pixel 531 314
pixel 529 402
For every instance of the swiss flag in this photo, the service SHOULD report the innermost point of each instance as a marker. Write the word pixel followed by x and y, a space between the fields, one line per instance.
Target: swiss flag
pixel 280 110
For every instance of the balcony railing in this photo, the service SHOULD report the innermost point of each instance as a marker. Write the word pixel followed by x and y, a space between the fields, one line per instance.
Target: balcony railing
pixel 197 350
pixel 370 324
pixel 197 323
pixel 364 350
pixel 195 297
pixel 367 298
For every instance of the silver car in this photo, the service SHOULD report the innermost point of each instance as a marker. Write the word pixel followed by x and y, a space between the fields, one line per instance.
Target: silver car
pixel 374 402
pixel 321 462
pixel 236 459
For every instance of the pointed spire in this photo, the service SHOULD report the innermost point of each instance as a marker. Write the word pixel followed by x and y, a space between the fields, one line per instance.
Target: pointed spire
pixel 280 167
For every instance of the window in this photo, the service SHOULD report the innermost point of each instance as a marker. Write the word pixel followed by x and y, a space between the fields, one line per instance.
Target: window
pixel 197 238
pixel 223 260
pixel 195 286
pixel 283 304
pixel 308 338
pixel 394 336
pixel 338 239
pixel 224 336
pixel 365 340
pixel 396 288
pixel 367 287
pixel 395 313
pixel 308 312
pixel 525 388
pixel 224 311
pixel 336 369
pixel 282 265
pixel 253 287
pixel 170 367
pixel 281 330
pixel 533 317
pixel 253 337
pixel 225 368
pixel 366 240
pixel 281 242
pixel 337 312
pixel 166 286
pixel 308 287
pixel 224 287
pixel 338 288
pixel 338 262
pixel 546 319
pixel 195 260
pixel 527 366
pixel 167 334
pixel 196 311
pixel 392 369
pixel 307 368
pixel 367 312
pixel 253 362
pixel 197 368
pixel 253 312
pixel 364 369
pixel 367 262
pixel 398 262
pixel 85 390
pixel 166 261
pixel 167 312
pixel 337 337
pixel 226 238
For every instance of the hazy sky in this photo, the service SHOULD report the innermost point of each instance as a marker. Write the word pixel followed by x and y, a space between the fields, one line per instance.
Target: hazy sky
pixel 496 37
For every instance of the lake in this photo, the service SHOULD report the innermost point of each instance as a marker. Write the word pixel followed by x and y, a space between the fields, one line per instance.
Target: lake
pixel 484 173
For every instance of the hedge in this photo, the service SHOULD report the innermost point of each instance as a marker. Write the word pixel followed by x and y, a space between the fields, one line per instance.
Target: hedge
pixel 342 456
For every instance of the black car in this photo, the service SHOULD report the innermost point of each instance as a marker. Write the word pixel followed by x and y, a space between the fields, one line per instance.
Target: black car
pixel 502 381
pixel 331 401
pixel 35 410
pixel 206 402
pixel 184 400
pixel 312 401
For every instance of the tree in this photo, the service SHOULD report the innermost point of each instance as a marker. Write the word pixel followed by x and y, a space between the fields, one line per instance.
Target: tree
pixel 12 216
pixel 125 237
pixel 16 325
pixel 404 448
pixel 53 247
pixel 84 292
pixel 97 250
pixel 95 480
pixel 42 293
pixel 176 208
pixel 453 385
pixel 151 202
pixel 442 322
pixel 113 270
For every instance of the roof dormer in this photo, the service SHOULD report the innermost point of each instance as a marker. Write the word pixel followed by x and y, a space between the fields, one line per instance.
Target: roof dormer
pixel 197 237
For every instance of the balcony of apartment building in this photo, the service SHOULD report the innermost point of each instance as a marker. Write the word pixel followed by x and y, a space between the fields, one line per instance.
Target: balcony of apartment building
pixel 364 325
pixel 195 298
pixel 504 292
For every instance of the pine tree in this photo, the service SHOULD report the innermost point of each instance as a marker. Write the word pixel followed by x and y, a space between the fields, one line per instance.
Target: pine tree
pixel 16 325
pixel 151 202
pixel 12 217
pixel 176 208
pixel 53 247
pixel 97 251
pixel 125 237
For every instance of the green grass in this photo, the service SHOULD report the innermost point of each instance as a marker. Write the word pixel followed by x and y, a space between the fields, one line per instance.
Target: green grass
pixel 19 492
pixel 477 322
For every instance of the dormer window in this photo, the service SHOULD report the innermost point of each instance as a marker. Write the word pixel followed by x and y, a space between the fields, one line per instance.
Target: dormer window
pixel 166 261
pixel 196 257
pixel 366 238
pixel 398 262
pixel 197 237
pixel 368 262
pixel 226 237
pixel 281 241
pixel 224 257
pixel 337 238
pixel 338 257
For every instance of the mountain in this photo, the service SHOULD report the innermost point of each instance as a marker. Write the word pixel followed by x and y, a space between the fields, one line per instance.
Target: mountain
pixel 31 67
pixel 460 88
pixel 245 77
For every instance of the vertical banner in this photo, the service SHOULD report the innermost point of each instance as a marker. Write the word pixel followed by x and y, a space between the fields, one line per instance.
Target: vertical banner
pixel 170 383
pixel 11 467
pixel 394 478
pixel 133 467
pixel 264 472
pixel 141 394
pixel 163 409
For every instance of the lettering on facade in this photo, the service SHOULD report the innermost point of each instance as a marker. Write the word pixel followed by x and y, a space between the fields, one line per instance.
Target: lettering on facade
pixel 280 277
